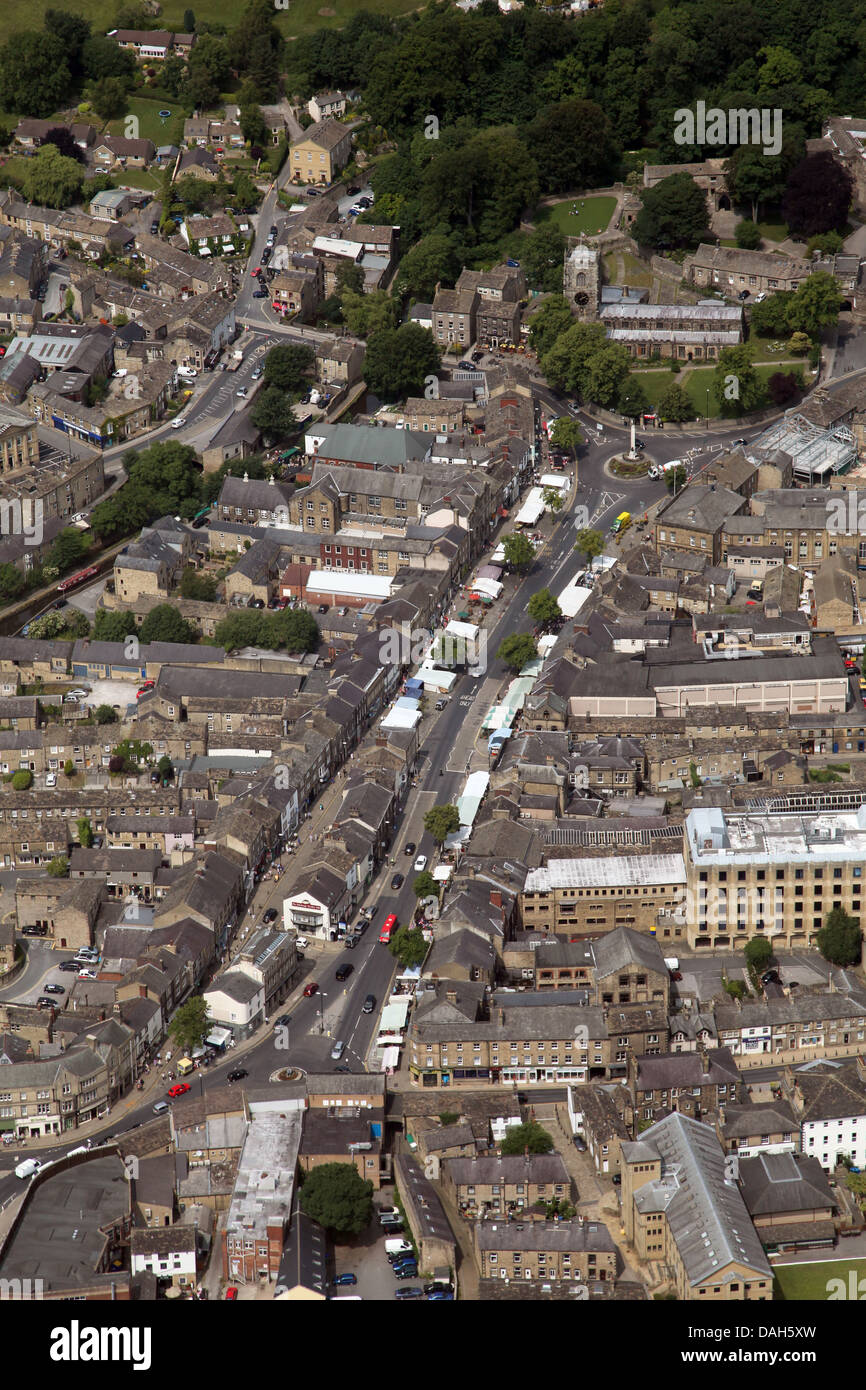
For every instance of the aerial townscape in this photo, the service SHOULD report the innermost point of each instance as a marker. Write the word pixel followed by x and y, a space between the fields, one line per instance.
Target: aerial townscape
pixel 432 660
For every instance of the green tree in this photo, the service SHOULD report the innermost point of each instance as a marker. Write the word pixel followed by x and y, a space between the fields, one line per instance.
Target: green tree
pixel 543 608
pixel 68 549
pixel 747 235
pixel 676 478
pixel 840 938
pixel 101 57
pixel 566 433
pixel 409 946
pixel 22 780
pixel 441 821
pixel 530 1137
pixel 770 319
pixel 85 832
pixel 112 625
pixel 12 582
pixel 754 178
pixel 430 261
pixel 271 412
pixel 52 179
pixel 572 145
pixel 336 1196
pixel 798 344
pixel 517 649
pixel 165 768
pixel 552 498
pixel 58 867
pixel 198 586
pixel 817 195
pixel 758 953
pixel 104 714
pixel 165 624
pixel 368 314
pixel 674 213
pixel 190 1025
pixel 675 403
pixel 815 305
pixel 827 243
pixel 519 551
pixel 69 768
pixel 424 885
pixel 188 21
pixel 253 126
pixel 541 258
pixel 285 367
pixel 34 75
pixel 108 97
pixel 297 629
pixel 736 384
pixel 549 323
pixel 590 543
pixel 399 360
pixel 131 753
pixel 632 399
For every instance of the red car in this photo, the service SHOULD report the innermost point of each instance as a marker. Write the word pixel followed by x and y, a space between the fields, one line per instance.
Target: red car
pixel 311 989
pixel 143 690
pixel 179 1090
pixel 231 1294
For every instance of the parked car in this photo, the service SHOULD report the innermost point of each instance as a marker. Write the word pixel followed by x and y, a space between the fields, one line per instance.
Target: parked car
pixel 154 229
pixel 437 1288
pixel 67 965
pixel 343 972
pixel 180 1089
pixel 51 779
pixel 178 422
pixel 283 1021
pixel 238 1074
pixel 270 916
pixel 408 1293
pixel 344 1280
pixel 397 881
pixel 770 977
pixel 420 863
pixel 310 989
pixel 87 975
pixel 45 1002
pixel 257 372
pixel 388 1211
pixel 54 989
pixel 337 1051
pixel 410 847
pixel 410 1272
pixel 231 1293
pixel 579 1143
pixel 241 391
pixel 323 607
pixel 33 930
pixel 260 294
pixel 441 1296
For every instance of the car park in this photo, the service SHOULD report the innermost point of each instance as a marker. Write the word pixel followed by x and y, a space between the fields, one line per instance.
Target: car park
pixel 343 972
pixel 237 1075
pixel 87 975
pixel 310 989
pixel 68 965
pixel 180 1089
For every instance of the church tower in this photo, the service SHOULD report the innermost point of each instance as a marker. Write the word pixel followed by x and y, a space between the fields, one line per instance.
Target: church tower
pixel 581 279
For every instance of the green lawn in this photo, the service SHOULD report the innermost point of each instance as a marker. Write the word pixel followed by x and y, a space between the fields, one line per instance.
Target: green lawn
pixel 150 126
pixel 808 1282
pixel 773 231
pixel 300 17
pixel 698 381
pixel 593 215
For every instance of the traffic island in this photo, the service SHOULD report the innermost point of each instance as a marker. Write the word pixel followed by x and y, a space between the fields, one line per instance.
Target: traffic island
pixel 621 466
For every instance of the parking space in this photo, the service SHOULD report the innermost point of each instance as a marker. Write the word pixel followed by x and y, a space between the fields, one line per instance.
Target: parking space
pixel 367 1260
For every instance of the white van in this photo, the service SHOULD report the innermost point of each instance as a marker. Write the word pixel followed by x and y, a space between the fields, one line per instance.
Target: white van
pixel 397 1246
pixel 28 1168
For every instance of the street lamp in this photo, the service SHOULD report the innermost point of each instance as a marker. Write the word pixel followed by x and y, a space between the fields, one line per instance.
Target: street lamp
pixel 708 407
pixel 322 998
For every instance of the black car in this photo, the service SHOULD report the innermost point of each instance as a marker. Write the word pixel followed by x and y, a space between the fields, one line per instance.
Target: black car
pixel 410 847
pixel 238 1074
pixel 770 977
pixel 323 607
pixel 397 881
pixel 352 189
pixel 34 931
pixel 369 1004
pixel 260 294
pixel 273 229
pixel 343 972
pixel 283 1021
pixel 344 1069
pixel 154 229
pixel 54 989
pixel 271 915
pixel 69 965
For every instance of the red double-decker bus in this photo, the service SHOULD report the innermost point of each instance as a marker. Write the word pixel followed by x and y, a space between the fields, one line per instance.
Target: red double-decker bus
pixel 75 579
pixel 388 926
